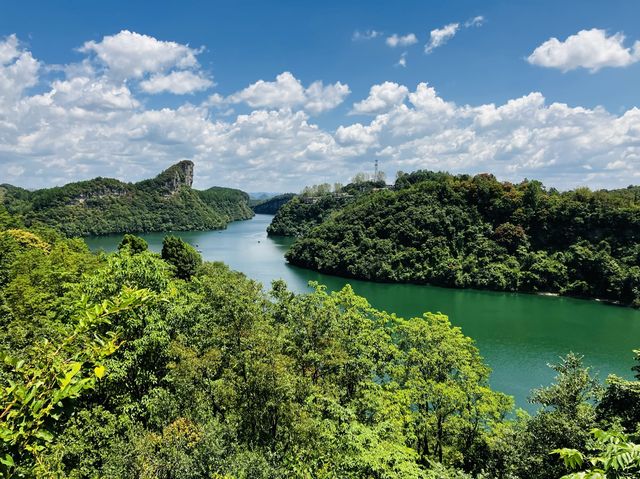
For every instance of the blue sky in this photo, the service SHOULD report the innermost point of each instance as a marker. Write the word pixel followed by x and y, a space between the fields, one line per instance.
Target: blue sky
pixel 244 140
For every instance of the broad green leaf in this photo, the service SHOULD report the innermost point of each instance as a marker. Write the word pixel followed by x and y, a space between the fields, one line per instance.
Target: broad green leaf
pixel 99 371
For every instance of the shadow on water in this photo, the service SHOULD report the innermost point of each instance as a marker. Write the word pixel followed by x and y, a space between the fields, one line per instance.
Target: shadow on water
pixel 518 334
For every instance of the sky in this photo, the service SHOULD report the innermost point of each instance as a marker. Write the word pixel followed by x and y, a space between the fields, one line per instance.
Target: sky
pixel 273 96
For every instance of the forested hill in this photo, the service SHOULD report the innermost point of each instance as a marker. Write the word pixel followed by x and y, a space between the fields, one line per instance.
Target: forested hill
pixel 232 203
pixel 477 232
pixel 313 206
pixel 104 205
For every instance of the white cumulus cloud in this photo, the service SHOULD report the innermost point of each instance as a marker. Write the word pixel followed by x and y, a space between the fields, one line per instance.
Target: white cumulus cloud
pixel 381 98
pixel 9 49
pixel 525 137
pixel 84 122
pixel 18 70
pixel 321 98
pixel 285 92
pixel 288 92
pixel 396 40
pixel 132 55
pixel 91 94
pixel 591 49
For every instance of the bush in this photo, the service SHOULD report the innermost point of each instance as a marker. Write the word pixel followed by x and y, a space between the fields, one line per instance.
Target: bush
pixel 181 255
pixel 133 243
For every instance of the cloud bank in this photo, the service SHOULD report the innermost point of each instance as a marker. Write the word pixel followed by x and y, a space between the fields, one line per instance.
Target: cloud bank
pixel 93 118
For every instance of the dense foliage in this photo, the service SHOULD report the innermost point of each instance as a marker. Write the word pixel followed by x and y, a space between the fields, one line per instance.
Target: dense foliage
pixel 614 455
pixel 133 243
pixel 117 367
pixel 181 255
pixel 298 216
pixel 301 214
pixel 233 204
pixel 463 231
pixel 103 205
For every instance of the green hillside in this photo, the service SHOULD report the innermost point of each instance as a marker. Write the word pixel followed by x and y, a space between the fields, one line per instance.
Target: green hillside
pixel 477 232
pixel 298 216
pixel 233 204
pixel 104 205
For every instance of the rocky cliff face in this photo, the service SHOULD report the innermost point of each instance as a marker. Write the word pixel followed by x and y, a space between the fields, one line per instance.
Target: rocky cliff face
pixel 170 180
pixel 180 174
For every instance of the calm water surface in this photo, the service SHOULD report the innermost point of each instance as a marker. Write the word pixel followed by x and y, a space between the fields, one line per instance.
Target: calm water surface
pixel 518 334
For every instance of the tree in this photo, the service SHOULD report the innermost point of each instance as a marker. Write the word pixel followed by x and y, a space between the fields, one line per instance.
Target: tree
pixel 323 189
pixel 451 403
pixel 574 388
pixel 400 174
pixel 360 178
pixel 621 399
pixel 7 220
pixel 566 417
pixel 134 244
pixel 510 236
pixel 185 259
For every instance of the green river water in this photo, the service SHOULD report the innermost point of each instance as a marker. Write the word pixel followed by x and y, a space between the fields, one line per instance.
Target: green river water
pixel 518 334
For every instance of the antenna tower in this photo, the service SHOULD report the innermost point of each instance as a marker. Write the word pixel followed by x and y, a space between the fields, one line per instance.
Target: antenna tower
pixel 375 174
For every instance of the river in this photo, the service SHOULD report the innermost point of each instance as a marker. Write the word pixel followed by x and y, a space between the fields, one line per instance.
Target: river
pixel 517 334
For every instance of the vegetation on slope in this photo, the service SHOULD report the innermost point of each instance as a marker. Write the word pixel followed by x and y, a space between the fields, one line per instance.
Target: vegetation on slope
pixel 116 367
pixel 462 231
pixel 104 205
pixel 298 216
pixel 232 203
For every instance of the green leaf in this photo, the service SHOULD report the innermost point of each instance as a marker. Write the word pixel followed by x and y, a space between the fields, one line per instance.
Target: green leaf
pixel 73 370
pixel 44 435
pixel 99 371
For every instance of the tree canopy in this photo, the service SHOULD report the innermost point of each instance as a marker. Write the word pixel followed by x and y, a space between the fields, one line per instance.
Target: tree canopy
pixel 474 232
pixel 135 364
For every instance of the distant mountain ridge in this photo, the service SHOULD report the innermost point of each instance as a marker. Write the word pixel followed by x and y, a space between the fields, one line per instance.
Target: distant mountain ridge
pixel 271 205
pixel 106 205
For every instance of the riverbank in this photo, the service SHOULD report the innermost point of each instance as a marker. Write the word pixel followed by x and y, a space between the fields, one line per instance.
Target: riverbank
pixel 518 334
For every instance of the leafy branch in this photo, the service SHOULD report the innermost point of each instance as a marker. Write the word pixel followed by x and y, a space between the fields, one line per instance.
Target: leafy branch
pixel 37 390
pixel 615 456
